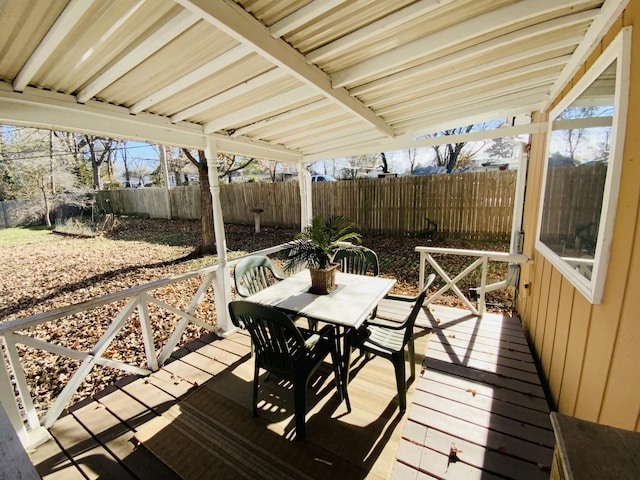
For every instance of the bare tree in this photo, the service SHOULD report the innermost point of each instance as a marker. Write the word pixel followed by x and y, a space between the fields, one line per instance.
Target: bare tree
pixel 412 155
pixel 574 137
pixel 29 172
pixel 359 163
pixel 272 167
pixel 229 164
pixel 141 171
pixel 99 152
pixel 447 154
pixel 500 148
pixel 96 150
pixel 385 164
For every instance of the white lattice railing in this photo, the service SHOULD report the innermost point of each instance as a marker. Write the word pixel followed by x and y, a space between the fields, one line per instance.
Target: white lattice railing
pixel 23 415
pixel 482 260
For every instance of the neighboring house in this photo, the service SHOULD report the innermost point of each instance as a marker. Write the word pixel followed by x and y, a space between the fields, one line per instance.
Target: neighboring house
pixel 432 170
pixel 188 175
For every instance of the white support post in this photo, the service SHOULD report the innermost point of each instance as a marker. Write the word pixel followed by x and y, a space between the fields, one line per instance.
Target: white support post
pixel 8 402
pixel 306 200
pixel 147 332
pixel 483 287
pixel 423 261
pixel 515 245
pixel 165 176
pixel 222 289
pixel 14 461
pixel 21 381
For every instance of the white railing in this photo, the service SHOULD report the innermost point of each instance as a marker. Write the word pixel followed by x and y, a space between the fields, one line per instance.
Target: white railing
pixel 482 259
pixel 31 427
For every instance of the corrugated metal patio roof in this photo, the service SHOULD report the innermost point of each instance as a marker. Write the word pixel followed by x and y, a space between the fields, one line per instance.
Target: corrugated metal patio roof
pixel 288 80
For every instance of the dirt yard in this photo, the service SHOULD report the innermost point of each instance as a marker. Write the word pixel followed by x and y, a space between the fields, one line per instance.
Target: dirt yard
pixel 41 271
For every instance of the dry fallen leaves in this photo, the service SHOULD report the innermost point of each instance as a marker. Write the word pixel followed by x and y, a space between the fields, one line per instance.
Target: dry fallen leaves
pixel 60 271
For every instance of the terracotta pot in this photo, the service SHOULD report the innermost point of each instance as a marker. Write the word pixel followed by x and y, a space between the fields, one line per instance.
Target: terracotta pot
pixel 323 281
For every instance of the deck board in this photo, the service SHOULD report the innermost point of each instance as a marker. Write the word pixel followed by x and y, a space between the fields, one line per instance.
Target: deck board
pixel 479 394
pixel 478 389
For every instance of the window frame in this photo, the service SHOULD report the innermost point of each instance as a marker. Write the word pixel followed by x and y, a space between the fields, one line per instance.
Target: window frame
pixel 618 50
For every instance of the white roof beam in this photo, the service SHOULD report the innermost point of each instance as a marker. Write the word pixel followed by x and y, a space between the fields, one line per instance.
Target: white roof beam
pixel 237 91
pixel 323 132
pixel 410 142
pixel 191 78
pixel 56 34
pixel 298 112
pixel 264 107
pixel 487 83
pixel 56 111
pixel 609 13
pixel 496 44
pixel 463 31
pixel 308 125
pixel 502 63
pixel 150 45
pixel 387 23
pixel 234 21
pixel 302 16
pixel 481 111
pixel 247 147
pixel 354 137
pixel 487 97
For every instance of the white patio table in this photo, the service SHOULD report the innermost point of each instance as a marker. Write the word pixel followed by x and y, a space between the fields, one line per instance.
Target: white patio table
pixel 347 307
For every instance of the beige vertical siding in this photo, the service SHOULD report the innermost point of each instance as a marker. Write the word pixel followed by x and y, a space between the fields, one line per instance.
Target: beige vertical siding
pixel 590 354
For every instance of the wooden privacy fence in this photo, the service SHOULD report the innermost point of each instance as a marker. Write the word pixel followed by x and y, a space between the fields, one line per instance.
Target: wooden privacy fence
pixel 463 205
pixel 573 203
pixel 11 212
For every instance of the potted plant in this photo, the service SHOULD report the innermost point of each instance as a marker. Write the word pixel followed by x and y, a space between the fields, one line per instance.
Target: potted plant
pixel 315 247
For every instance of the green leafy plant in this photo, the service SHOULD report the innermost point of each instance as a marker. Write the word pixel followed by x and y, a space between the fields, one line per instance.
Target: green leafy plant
pixel 316 245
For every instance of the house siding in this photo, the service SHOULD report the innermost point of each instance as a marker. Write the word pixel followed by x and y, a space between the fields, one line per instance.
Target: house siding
pixel 588 353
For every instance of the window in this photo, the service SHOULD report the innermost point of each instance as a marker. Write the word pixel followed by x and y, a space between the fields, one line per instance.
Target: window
pixel 582 171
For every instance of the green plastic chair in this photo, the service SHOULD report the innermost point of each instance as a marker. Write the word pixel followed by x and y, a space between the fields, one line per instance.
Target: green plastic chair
pixel 388 339
pixel 361 263
pixel 253 274
pixel 285 350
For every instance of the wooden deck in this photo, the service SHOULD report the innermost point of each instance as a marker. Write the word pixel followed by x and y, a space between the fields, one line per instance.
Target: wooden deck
pixel 478 392
pixel 478 410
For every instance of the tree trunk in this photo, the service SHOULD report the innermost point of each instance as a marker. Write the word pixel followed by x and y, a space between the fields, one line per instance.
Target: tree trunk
pixel 208 241
pixel 208 245
pixel 385 164
pixel 53 178
pixel 47 208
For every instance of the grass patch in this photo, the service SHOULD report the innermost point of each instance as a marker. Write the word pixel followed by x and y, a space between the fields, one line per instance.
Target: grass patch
pixel 14 237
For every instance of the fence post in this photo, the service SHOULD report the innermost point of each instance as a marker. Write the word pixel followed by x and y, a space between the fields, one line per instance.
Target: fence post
pixel 165 175
pixel 9 403
pixel 37 434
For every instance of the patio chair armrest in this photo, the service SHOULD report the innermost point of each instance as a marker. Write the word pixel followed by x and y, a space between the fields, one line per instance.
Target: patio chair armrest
pixel 401 298
pixel 312 340
pixel 384 323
